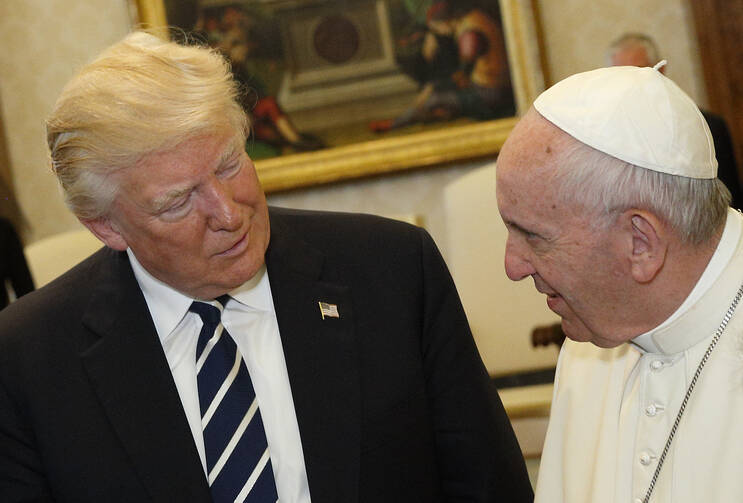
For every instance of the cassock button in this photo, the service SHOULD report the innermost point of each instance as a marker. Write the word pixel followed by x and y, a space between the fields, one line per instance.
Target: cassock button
pixel 645 459
pixel 656 364
pixel 651 410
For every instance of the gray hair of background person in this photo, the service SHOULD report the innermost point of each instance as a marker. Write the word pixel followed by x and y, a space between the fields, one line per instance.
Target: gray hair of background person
pixel 632 40
pixel 143 95
pixel 694 208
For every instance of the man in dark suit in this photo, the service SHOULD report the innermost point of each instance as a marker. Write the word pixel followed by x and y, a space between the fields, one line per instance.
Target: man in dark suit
pixel 350 374
pixel 727 170
pixel 13 266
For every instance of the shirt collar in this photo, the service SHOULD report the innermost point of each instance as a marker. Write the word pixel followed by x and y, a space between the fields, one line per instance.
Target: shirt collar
pixel 168 306
pixel 256 292
pixel 704 307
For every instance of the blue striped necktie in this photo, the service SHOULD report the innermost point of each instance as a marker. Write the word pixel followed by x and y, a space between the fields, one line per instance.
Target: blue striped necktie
pixel 237 458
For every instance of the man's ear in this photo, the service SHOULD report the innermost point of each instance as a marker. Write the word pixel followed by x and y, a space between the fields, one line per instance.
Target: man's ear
pixel 107 231
pixel 649 245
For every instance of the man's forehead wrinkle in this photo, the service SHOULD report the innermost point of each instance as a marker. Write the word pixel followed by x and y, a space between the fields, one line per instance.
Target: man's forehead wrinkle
pixel 230 149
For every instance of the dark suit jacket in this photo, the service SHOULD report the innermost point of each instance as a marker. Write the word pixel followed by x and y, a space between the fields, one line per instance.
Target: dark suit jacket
pixel 13 265
pixel 727 168
pixel 392 400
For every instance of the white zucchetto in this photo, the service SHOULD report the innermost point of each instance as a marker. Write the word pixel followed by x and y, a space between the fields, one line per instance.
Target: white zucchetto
pixel 635 114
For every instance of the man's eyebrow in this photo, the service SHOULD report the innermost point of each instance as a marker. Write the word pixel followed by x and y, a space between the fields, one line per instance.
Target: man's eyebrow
pixel 228 153
pixel 161 203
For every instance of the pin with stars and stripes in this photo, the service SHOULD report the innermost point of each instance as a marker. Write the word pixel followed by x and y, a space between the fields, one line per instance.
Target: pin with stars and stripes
pixel 328 310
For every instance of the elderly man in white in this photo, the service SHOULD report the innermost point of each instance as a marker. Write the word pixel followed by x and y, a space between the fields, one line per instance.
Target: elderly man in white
pixel 608 189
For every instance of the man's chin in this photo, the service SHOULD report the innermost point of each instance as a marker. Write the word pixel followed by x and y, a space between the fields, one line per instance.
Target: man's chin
pixel 576 332
pixel 581 334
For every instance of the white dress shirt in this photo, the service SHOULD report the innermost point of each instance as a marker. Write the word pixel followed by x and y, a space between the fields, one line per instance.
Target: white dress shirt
pixel 251 320
pixel 613 409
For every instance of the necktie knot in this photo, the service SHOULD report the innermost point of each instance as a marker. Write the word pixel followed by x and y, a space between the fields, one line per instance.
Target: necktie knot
pixel 209 314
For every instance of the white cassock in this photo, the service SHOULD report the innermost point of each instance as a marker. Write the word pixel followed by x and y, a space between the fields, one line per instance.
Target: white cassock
pixel 613 409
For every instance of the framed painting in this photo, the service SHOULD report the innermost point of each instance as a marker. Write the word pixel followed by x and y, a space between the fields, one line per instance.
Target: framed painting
pixel 340 89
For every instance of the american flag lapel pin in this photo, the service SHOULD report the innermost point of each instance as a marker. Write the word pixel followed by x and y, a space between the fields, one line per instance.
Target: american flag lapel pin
pixel 328 310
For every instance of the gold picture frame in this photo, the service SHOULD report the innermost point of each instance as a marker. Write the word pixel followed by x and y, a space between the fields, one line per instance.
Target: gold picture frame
pixel 415 150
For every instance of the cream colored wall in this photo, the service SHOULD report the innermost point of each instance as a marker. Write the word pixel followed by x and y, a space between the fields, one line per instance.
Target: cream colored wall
pixel 400 195
pixel 43 42
pixel 577 32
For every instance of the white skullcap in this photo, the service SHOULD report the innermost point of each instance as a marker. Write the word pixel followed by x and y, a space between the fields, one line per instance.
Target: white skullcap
pixel 635 114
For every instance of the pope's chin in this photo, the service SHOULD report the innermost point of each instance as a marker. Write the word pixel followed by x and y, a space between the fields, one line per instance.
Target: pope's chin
pixel 571 327
pixel 575 330
pixel 572 333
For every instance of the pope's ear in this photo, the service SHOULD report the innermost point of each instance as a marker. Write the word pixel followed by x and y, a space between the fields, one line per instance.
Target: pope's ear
pixel 649 246
pixel 107 231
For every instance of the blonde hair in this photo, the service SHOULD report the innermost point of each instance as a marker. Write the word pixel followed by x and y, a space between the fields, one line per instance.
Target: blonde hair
pixel 141 96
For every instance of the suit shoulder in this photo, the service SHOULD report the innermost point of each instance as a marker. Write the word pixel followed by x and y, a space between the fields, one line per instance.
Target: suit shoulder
pixel 324 218
pixel 357 244
pixel 61 299
pixel 321 226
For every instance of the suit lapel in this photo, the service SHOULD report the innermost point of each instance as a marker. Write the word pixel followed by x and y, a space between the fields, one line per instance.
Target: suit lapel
pixel 322 362
pixel 130 374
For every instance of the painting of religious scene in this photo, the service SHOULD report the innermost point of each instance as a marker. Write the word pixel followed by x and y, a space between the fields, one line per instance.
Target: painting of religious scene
pixel 325 73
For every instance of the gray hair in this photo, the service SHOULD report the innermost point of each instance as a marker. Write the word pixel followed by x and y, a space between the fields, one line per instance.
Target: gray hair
pixel 694 208
pixel 141 96
pixel 630 41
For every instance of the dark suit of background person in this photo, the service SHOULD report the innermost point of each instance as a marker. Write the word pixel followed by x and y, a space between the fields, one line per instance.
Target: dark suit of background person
pixel 727 168
pixel 392 399
pixel 13 267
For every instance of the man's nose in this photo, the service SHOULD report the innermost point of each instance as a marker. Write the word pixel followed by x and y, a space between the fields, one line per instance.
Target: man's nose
pixel 517 266
pixel 224 212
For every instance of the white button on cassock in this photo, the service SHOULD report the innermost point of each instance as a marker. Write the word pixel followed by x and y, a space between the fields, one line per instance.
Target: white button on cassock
pixel 651 410
pixel 645 459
